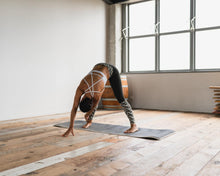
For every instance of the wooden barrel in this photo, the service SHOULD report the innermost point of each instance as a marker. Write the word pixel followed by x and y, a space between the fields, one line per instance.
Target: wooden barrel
pixel 108 98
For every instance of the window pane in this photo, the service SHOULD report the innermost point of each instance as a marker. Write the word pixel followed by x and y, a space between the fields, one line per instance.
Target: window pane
pixel 207 13
pixel 174 15
pixel 207 49
pixel 142 54
pixel 174 52
pixel 142 18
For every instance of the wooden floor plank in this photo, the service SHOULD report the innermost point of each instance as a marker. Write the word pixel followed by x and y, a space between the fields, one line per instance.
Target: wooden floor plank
pixel 100 158
pixel 156 157
pixel 167 168
pixel 194 164
pixel 212 168
pixel 194 144
pixel 37 150
pixel 24 169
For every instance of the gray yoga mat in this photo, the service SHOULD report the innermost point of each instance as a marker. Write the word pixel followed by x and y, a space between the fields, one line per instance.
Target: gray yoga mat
pixel 145 133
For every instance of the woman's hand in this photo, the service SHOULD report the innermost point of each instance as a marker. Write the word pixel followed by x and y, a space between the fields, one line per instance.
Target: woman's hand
pixel 70 130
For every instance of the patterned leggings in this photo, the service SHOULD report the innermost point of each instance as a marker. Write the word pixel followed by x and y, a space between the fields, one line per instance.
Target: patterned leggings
pixel 116 85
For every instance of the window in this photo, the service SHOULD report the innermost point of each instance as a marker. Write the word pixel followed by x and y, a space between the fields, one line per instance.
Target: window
pixel 207 49
pixel 145 13
pixel 174 52
pixel 174 15
pixel 171 36
pixel 207 41
pixel 207 13
pixel 141 54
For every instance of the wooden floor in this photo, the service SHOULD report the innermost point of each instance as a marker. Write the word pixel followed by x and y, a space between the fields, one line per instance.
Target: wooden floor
pixel 194 149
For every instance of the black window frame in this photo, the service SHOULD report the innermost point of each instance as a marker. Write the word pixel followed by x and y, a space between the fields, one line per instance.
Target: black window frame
pixel 192 33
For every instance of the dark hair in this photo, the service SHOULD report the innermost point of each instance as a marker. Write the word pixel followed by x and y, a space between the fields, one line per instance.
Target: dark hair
pixel 86 104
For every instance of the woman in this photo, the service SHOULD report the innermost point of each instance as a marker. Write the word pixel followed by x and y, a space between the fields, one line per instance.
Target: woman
pixel 92 87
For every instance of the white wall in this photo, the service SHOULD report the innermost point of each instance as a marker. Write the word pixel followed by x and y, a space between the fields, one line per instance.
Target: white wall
pixel 46 47
pixel 173 91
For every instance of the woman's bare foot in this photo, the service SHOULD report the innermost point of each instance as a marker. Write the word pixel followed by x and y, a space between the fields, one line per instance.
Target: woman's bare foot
pixel 133 129
pixel 87 125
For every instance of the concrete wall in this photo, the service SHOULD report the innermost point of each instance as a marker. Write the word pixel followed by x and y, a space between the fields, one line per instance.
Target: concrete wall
pixel 173 91
pixel 113 44
pixel 46 47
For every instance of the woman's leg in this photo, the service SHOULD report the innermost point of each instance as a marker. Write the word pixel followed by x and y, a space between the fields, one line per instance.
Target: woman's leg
pixel 116 85
pixel 92 114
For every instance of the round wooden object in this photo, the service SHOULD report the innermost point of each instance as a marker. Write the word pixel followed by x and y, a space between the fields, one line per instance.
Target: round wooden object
pixel 108 98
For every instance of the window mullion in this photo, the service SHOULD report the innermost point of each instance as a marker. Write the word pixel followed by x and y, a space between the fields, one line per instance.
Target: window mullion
pixel 192 35
pixel 157 36
pixel 124 42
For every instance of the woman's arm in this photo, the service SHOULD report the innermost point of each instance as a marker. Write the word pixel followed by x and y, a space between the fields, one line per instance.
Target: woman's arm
pixel 73 112
pixel 90 113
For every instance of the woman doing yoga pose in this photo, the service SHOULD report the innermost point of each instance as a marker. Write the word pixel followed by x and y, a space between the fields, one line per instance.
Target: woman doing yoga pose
pixel 91 88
